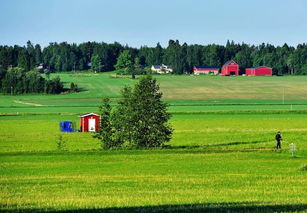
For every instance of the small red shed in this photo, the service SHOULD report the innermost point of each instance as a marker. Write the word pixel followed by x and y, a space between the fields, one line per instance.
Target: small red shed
pixel 206 70
pixel 230 68
pixel 262 70
pixel 89 122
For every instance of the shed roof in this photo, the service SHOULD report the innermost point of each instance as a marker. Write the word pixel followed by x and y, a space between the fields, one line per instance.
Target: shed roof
pixel 206 67
pixel 228 62
pixel 157 66
pixel 258 67
pixel 88 114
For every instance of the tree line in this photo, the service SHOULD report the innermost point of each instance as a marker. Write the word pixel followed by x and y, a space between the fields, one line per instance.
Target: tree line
pixel 17 80
pixel 102 57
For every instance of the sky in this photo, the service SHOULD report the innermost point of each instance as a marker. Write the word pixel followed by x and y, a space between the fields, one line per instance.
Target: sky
pixel 147 22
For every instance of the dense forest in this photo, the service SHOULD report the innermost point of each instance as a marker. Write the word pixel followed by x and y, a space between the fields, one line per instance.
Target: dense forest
pixel 68 57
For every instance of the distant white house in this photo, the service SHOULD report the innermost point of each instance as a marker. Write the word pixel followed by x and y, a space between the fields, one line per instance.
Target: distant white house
pixel 40 67
pixel 161 69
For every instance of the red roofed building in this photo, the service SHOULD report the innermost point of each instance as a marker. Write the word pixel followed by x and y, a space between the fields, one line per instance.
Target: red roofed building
pixel 230 68
pixel 262 70
pixel 205 70
pixel 89 122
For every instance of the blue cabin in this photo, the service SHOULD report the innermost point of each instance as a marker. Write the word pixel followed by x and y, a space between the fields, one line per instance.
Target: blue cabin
pixel 66 126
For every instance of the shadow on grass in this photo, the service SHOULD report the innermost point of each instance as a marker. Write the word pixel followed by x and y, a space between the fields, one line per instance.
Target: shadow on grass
pixel 82 89
pixel 185 208
pixel 235 143
pixel 213 145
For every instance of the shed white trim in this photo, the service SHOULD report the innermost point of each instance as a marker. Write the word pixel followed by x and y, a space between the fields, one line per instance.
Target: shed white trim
pixel 88 114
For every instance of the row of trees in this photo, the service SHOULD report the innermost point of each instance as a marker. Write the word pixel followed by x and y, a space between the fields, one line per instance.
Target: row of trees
pixel 139 120
pixel 17 80
pixel 104 57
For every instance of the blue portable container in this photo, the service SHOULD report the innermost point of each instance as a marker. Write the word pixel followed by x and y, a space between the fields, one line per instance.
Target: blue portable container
pixel 66 126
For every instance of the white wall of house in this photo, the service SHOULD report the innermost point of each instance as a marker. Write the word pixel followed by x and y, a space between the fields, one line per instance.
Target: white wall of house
pixel 206 72
pixel 164 69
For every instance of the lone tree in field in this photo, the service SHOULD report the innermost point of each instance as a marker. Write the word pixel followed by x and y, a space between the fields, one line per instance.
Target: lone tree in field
pixel 147 114
pixel 105 133
pixel 140 119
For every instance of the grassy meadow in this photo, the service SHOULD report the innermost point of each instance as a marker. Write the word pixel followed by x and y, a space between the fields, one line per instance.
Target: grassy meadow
pixel 221 157
pixel 162 180
pixel 183 93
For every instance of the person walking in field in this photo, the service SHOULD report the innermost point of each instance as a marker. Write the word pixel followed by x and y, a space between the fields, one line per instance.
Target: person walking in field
pixel 278 139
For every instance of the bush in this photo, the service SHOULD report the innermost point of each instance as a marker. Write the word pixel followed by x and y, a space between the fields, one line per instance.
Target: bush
pixel 61 144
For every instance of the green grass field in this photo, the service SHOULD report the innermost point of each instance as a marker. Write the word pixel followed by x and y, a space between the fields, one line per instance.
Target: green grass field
pixel 221 157
pixel 183 93
pixel 164 179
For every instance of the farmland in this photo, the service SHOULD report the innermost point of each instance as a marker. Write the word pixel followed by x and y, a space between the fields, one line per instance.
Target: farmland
pixel 221 156
pixel 183 93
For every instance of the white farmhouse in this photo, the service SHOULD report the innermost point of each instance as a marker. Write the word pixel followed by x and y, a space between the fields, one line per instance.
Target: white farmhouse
pixel 161 69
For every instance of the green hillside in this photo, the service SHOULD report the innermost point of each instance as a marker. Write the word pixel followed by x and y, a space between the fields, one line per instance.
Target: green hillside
pixel 199 93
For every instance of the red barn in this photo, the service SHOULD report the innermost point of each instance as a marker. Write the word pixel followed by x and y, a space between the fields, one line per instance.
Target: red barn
pixel 262 70
pixel 230 68
pixel 89 122
pixel 205 70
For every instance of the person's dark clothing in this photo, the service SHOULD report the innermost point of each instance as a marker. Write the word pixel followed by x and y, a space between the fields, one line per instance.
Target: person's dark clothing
pixel 278 139
pixel 278 146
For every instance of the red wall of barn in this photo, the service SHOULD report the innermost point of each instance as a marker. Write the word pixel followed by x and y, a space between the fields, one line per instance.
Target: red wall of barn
pixel 84 122
pixel 249 72
pixel 230 68
pixel 259 71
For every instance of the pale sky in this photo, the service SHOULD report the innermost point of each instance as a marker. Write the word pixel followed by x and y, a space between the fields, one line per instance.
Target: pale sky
pixel 146 22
